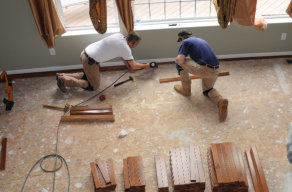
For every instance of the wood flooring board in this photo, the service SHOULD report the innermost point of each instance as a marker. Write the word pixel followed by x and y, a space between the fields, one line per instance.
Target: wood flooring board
pixel 253 173
pixel 218 167
pixel 126 174
pixel 161 174
pixel 193 166
pixel 237 165
pixel 3 153
pixel 95 176
pixel 259 169
pixel 102 166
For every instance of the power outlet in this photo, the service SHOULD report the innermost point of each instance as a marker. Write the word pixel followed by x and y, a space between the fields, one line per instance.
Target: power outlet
pixel 283 36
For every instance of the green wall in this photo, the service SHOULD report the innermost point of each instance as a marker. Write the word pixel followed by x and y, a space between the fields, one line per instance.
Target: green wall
pixel 22 48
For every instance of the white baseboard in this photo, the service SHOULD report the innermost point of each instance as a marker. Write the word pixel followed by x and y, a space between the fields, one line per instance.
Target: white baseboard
pixel 109 64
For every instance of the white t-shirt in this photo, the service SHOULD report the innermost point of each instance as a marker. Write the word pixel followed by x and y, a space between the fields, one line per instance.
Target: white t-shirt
pixel 109 48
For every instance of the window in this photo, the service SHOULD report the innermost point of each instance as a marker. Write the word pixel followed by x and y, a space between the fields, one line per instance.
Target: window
pixel 170 10
pixel 147 11
pixel 75 13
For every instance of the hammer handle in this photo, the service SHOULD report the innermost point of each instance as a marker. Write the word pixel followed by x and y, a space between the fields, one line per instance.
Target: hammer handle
pixel 120 83
pixel 53 107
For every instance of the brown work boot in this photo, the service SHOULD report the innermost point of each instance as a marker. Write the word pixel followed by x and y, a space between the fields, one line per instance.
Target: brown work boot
pixel 222 109
pixel 183 91
pixel 61 85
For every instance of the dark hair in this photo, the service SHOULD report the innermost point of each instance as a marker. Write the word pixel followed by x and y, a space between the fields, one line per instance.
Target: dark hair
pixel 133 37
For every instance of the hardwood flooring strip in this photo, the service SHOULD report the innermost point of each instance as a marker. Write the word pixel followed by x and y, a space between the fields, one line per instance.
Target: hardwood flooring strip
pixel 3 153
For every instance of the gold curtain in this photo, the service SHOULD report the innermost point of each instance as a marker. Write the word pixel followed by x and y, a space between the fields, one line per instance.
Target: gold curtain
pixel 98 15
pixel 289 9
pixel 126 14
pixel 245 12
pixel 47 20
pixel 225 10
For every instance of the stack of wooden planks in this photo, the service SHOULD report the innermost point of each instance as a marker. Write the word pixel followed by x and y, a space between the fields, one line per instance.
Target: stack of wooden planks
pixel 85 113
pixel 256 170
pixel 134 180
pixel 162 181
pixel 103 175
pixel 226 168
pixel 187 169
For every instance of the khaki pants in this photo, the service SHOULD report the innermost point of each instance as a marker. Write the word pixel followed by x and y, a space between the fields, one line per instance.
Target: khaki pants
pixel 91 71
pixel 208 75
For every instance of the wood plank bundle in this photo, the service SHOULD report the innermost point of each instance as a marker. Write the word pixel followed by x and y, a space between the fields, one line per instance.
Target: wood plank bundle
pixel 162 180
pixel 256 170
pixel 85 113
pixel 3 153
pixel 226 168
pixel 187 169
pixel 103 175
pixel 134 180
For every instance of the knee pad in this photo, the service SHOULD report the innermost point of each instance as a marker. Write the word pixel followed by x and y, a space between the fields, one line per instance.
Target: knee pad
pixel 207 92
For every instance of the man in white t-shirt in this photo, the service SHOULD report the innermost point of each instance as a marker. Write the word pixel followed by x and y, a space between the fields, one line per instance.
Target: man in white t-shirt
pixel 113 46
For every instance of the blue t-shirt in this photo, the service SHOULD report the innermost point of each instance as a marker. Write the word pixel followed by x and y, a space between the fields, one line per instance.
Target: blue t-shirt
pixel 199 51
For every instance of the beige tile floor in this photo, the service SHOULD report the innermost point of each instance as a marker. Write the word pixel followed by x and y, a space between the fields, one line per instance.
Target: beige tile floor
pixel 156 119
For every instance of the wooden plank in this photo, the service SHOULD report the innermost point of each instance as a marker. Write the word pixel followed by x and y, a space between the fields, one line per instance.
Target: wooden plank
pixel 85 108
pixel 126 174
pixel 161 174
pixel 94 173
pixel 102 166
pixel 131 162
pixel 242 167
pixel 185 170
pixel 92 112
pixel 228 162
pixel 201 174
pixel 111 168
pixel 217 165
pixel 193 166
pixel 3 153
pixel 140 171
pixel 259 169
pixel 174 167
pixel 87 118
pixel 191 77
pixel 237 166
pixel 252 171
pixel 222 163
pixel 211 167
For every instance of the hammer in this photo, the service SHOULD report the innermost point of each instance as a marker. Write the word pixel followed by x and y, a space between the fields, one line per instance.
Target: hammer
pixel 65 109
pixel 122 82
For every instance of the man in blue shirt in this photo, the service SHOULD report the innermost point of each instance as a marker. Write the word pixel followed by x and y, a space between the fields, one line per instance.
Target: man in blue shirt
pixel 202 63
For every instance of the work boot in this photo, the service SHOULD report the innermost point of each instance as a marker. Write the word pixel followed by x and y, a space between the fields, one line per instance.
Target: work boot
pixel 61 85
pixel 222 109
pixel 183 91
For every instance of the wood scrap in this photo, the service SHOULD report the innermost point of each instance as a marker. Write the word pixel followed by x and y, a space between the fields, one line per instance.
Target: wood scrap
pixel 3 153
pixel 256 170
pixel 165 80
pixel 187 169
pixel 226 168
pixel 103 175
pixel 133 172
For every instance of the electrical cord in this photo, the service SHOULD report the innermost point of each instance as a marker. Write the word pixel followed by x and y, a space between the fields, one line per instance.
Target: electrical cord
pixel 40 161
pixel 62 159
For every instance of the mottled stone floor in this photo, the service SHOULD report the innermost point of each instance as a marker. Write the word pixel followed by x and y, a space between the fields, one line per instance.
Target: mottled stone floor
pixel 156 119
